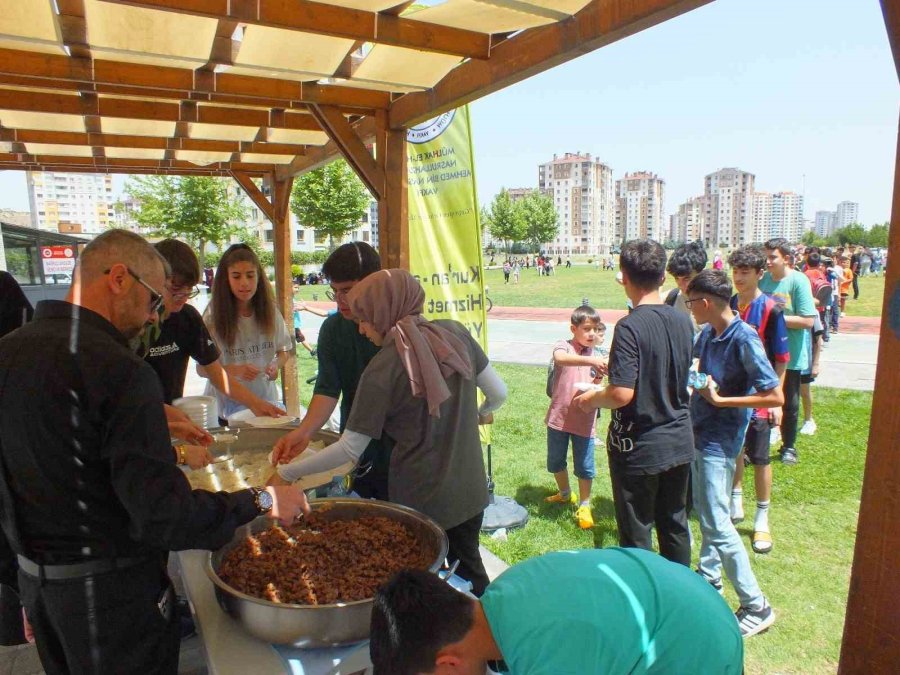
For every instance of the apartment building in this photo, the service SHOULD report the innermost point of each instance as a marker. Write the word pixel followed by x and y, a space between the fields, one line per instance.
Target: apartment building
pixel 582 190
pixel 846 214
pixel 728 208
pixel 70 202
pixel 824 224
pixel 689 222
pixel 777 214
pixel 639 207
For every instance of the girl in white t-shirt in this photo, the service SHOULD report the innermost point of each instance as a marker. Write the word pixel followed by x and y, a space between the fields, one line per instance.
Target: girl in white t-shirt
pixel 249 329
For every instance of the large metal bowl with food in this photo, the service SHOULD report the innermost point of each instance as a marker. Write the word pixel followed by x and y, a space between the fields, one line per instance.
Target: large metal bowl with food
pixel 318 625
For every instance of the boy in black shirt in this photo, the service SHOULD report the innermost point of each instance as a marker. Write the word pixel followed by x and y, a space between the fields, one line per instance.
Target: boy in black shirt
pixel 650 441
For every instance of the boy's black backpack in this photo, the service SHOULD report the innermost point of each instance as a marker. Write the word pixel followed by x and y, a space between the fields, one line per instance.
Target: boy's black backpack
pixel 671 296
pixel 551 372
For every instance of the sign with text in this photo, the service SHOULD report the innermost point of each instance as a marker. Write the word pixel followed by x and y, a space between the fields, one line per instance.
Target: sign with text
pixel 444 228
pixel 58 259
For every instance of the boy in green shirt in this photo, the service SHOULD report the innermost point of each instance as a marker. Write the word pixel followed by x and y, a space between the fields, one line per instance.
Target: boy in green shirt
pixel 611 611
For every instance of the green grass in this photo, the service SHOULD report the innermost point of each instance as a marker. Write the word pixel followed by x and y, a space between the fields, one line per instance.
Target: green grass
pixel 814 512
pixel 567 287
pixel 815 506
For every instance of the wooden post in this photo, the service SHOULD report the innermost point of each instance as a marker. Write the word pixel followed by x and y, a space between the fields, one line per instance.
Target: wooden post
pixel 872 625
pixel 284 288
pixel 393 208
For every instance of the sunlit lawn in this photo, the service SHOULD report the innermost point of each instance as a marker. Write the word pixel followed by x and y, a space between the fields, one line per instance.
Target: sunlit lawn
pixel 814 513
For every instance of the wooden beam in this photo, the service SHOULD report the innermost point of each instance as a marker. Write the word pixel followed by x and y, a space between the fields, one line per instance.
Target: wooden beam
pixel 534 51
pixel 73 27
pixel 98 72
pixel 358 156
pixel 319 156
pixel 871 642
pixel 146 142
pixel 284 288
pixel 393 209
pixel 336 21
pixel 122 162
pixel 255 194
pixel 64 168
pixel 39 101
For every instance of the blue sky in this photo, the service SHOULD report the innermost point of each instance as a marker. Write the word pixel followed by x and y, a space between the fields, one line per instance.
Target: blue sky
pixel 781 88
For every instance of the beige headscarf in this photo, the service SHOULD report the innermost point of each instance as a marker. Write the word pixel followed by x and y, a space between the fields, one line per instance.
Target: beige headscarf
pixel 392 300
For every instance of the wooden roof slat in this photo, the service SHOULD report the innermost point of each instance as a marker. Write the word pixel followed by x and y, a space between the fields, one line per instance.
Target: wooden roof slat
pixel 99 72
pixel 317 157
pixel 122 163
pixel 333 20
pixel 34 101
pixel 533 51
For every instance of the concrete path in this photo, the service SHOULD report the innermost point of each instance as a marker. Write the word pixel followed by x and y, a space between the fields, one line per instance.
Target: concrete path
pixel 525 335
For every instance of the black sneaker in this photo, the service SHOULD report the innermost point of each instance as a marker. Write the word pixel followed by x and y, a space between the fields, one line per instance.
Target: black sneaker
pixel 789 456
pixel 753 621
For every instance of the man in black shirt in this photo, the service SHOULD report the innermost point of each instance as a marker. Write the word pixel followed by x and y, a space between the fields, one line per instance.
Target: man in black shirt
pixel 854 267
pixel 15 310
pixel 90 497
pixel 650 441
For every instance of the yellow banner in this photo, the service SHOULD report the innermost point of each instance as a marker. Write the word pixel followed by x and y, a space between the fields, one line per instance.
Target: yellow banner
pixel 444 227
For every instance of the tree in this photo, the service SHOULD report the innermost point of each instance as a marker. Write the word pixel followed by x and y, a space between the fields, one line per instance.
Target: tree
pixel 332 200
pixel 541 219
pixel 810 238
pixel 505 219
pixel 196 208
pixel 877 236
pixel 854 233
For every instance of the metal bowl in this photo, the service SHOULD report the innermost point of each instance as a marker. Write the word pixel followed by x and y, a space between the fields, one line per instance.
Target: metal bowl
pixel 318 625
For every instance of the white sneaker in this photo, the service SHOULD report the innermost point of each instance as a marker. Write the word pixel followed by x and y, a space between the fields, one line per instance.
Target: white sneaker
pixel 809 428
pixel 775 436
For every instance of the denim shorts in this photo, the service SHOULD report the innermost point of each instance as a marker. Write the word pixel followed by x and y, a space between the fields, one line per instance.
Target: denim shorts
pixel 582 453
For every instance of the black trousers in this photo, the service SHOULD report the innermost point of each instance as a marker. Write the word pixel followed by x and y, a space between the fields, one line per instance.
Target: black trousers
pixel 642 502
pixel 791 408
pixel 855 286
pixel 464 547
pixel 106 623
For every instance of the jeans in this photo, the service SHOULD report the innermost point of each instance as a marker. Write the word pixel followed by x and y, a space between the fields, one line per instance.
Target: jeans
pixel 835 312
pixel 721 546
pixel 791 408
pixel 582 453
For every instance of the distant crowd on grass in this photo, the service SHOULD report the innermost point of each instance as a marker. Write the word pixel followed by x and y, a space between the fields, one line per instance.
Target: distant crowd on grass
pixel 701 381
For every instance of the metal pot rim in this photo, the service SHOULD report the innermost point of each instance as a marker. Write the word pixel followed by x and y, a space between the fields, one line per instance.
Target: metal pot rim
pixel 316 504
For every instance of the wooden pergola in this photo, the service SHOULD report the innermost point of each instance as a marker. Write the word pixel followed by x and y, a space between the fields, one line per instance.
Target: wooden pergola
pixel 264 90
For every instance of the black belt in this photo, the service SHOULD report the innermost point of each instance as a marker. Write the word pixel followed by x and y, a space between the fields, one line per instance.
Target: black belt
pixel 77 570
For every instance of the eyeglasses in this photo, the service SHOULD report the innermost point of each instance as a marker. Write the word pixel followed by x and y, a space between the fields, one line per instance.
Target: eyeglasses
pixel 156 299
pixel 335 294
pixel 180 294
pixel 688 303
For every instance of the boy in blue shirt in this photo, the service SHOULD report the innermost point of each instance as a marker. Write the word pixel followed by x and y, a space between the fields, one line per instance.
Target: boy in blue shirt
pixel 740 379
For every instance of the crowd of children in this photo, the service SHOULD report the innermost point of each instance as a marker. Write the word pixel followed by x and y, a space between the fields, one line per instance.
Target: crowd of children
pixel 700 382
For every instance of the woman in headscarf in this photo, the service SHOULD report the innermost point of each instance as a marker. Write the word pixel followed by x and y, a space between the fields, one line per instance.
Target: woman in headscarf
pixel 420 391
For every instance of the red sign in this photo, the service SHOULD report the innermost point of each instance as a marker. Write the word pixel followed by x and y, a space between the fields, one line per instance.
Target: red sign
pixel 58 259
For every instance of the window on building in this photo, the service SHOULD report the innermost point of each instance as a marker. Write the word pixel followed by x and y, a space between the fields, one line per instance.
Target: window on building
pixel 301 234
pixel 269 236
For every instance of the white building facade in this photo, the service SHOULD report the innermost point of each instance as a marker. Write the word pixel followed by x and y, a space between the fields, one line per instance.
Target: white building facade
pixel 777 214
pixel 689 222
pixel 639 207
pixel 70 202
pixel 846 214
pixel 824 225
pixel 728 208
pixel 582 191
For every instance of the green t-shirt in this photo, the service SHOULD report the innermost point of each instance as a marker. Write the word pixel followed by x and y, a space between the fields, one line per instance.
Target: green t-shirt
pixel 610 611
pixel 794 295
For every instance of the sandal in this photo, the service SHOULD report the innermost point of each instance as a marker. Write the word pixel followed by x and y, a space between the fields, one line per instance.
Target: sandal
pixel 762 542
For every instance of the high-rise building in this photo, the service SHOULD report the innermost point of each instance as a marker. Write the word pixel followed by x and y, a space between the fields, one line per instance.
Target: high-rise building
pixel 728 208
pixel 582 192
pixel 688 223
pixel 825 223
pixel 846 214
pixel 777 215
pixel 639 207
pixel 70 202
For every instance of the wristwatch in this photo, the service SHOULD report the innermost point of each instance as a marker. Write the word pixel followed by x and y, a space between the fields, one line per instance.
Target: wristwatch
pixel 262 499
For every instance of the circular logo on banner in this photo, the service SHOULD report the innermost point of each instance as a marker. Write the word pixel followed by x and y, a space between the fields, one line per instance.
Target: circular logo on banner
pixel 428 131
pixel 68 252
pixel 47 252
